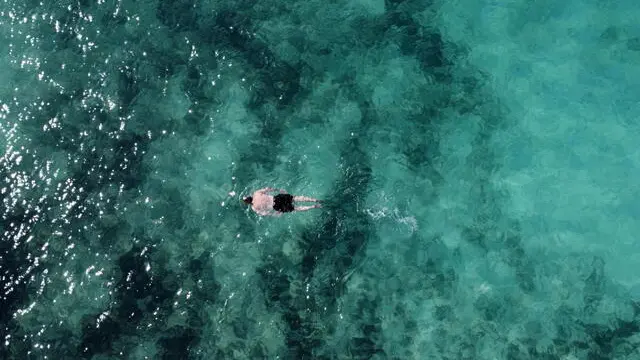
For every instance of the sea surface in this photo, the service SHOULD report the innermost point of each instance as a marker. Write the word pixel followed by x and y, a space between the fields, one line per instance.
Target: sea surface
pixel 479 162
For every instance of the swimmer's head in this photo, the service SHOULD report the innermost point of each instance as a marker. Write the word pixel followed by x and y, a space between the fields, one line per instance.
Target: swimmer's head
pixel 247 200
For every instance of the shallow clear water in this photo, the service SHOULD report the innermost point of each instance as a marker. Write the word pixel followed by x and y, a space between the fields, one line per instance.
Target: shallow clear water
pixel 479 164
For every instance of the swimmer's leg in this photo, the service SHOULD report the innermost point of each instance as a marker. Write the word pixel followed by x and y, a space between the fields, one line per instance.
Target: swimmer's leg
pixel 304 198
pixel 305 208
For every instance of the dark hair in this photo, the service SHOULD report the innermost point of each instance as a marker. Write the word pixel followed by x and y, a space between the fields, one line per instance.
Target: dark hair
pixel 247 200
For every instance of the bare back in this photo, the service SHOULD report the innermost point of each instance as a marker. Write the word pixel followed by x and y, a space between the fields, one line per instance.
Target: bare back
pixel 262 203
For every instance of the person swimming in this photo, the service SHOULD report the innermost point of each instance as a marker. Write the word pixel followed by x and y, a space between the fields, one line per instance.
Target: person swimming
pixel 263 203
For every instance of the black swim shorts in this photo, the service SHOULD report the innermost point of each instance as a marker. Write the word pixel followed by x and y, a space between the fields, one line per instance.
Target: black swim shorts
pixel 283 203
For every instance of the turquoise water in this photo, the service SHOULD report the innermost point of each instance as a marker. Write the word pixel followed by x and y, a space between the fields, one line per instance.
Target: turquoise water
pixel 479 163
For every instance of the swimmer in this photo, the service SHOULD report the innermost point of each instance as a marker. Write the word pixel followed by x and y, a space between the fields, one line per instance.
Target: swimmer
pixel 266 204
